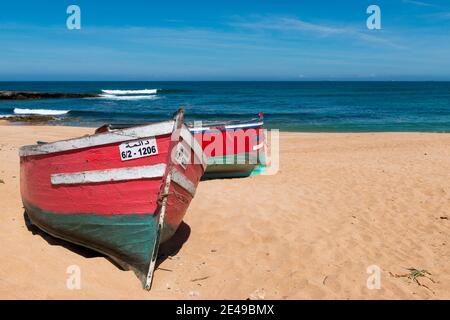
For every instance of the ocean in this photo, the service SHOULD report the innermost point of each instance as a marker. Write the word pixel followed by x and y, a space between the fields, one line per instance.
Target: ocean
pixel 288 106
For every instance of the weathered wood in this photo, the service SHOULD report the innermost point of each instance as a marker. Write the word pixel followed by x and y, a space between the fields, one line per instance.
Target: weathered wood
pixel 183 182
pixel 152 130
pixel 122 174
pixel 154 255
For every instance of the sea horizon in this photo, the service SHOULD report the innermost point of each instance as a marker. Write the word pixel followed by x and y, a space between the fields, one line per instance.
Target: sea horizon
pixel 149 81
pixel 299 106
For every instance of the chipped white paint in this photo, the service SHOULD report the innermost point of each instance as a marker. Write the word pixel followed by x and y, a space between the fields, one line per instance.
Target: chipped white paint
pixel 183 181
pixel 182 155
pixel 122 174
pixel 258 146
pixel 199 129
pixel 193 143
pixel 151 130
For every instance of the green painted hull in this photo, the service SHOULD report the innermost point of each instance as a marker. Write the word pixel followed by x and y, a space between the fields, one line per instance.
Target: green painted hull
pixel 128 239
pixel 234 166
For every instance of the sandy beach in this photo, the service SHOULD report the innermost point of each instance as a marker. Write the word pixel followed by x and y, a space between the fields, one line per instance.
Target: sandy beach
pixel 339 204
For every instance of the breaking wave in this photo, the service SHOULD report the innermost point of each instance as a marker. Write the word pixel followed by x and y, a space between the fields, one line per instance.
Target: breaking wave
pixel 114 97
pixel 123 92
pixel 45 112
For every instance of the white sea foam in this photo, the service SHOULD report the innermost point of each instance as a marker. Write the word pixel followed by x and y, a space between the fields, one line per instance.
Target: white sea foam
pixel 123 92
pixel 45 112
pixel 114 97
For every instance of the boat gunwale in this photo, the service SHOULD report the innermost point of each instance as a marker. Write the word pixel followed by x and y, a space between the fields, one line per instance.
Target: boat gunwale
pixel 212 123
pixel 221 128
pixel 121 136
pixel 205 125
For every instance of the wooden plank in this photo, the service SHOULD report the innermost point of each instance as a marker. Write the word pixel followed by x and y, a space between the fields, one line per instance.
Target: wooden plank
pixel 99 139
pixel 122 174
pixel 183 181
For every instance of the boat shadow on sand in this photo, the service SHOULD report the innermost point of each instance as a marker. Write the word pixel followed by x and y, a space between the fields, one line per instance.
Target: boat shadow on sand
pixel 166 250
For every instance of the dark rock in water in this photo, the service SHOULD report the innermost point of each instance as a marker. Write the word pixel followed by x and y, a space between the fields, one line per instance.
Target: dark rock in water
pixel 38 119
pixel 25 95
pixel 30 119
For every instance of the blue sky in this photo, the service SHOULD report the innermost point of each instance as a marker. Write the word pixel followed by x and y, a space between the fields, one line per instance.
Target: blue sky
pixel 225 40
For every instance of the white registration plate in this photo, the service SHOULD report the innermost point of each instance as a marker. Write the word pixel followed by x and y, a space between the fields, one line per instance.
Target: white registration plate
pixel 138 149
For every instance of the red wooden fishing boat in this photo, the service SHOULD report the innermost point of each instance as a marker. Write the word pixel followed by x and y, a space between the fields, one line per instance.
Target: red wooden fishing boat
pixel 233 148
pixel 121 193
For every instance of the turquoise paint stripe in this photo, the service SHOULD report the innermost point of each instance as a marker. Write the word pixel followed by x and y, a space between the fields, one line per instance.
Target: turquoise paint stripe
pixel 258 170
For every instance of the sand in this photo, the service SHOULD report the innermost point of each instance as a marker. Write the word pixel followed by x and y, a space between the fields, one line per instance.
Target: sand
pixel 339 204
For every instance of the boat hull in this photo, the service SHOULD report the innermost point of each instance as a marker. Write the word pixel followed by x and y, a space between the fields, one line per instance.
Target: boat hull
pixel 83 191
pixel 233 150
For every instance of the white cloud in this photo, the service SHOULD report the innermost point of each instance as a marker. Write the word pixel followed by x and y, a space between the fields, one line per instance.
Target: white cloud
pixel 292 24
pixel 287 24
pixel 419 3
pixel 442 15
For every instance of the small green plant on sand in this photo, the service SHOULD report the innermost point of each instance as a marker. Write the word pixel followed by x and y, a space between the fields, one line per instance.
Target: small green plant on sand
pixel 414 275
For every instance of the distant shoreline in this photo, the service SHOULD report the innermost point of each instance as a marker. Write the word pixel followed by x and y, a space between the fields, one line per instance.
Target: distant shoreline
pixel 289 106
